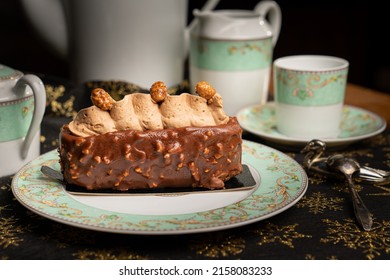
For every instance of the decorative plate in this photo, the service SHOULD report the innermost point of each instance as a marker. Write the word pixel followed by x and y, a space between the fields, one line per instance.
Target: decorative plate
pixel 280 180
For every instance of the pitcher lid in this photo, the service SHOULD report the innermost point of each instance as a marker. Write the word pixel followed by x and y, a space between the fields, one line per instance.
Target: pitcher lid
pixel 7 73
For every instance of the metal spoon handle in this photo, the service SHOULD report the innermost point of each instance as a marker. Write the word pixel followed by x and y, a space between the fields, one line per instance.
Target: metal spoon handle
pixel 363 215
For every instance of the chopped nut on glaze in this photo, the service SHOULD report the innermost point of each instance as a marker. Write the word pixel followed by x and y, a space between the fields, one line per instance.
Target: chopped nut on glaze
pixel 205 90
pixel 158 91
pixel 100 98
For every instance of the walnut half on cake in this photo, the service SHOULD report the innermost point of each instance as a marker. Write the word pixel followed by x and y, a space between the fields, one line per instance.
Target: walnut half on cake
pixel 152 140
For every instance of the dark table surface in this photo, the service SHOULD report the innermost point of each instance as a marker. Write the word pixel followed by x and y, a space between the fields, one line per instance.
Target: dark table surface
pixel 320 226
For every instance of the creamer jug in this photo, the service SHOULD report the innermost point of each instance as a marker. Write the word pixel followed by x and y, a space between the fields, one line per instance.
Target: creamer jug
pixel 232 50
pixel 22 106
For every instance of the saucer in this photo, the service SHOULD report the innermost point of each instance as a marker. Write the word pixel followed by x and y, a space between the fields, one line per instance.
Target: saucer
pixel 356 124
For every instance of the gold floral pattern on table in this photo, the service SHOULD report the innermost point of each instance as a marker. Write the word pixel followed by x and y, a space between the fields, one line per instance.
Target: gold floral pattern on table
pixel 218 245
pixel 104 254
pixel 316 178
pixel 66 237
pixel 359 153
pixel 318 203
pixel 10 232
pixel 285 235
pixel 311 257
pixel 53 144
pixel 341 186
pixel 346 233
pixel 382 190
pixel 118 89
pixel 65 108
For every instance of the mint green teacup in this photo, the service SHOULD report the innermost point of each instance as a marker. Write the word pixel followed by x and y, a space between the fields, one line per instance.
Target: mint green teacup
pixel 309 95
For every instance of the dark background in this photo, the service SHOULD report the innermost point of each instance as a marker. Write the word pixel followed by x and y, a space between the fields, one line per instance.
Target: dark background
pixel 354 30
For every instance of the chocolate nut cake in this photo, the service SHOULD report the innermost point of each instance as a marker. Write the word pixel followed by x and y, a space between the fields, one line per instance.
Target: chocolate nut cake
pixel 154 140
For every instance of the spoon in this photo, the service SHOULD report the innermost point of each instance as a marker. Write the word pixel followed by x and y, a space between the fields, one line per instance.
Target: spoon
pixel 348 167
pixel 315 161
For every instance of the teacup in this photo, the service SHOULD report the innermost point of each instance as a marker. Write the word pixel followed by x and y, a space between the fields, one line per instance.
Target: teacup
pixel 309 95
pixel 22 106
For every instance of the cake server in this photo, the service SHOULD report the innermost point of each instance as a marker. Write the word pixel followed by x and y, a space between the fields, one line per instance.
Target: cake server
pixel 242 182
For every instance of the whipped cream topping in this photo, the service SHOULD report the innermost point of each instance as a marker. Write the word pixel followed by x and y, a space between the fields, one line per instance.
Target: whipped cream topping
pixel 138 111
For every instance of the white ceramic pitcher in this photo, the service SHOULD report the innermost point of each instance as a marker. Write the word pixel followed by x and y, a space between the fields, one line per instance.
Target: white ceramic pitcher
pixel 131 40
pixel 232 50
pixel 22 106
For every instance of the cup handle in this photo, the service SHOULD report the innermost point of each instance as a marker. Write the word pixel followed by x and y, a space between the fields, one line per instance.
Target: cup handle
pixel 272 9
pixel 39 93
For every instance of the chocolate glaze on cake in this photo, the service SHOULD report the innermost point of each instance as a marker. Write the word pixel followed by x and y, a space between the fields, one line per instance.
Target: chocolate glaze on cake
pixel 163 158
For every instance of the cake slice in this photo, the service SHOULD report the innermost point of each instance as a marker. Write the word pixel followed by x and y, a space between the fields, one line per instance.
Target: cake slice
pixel 147 141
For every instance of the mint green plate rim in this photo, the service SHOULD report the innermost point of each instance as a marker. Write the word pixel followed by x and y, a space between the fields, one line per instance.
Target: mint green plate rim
pixel 283 183
pixel 357 124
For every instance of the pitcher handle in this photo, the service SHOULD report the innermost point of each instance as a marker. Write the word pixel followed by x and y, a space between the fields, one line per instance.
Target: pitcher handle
pixel 272 9
pixel 39 93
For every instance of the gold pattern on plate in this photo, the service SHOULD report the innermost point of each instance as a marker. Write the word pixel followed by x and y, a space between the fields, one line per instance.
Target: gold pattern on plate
pixel 285 235
pixel 347 233
pixel 243 49
pixel 312 82
pixel 318 203
pixel 217 246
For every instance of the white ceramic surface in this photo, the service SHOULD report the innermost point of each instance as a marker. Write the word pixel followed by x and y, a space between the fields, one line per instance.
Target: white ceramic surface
pixel 131 40
pixel 309 122
pixel 245 85
pixel 11 159
pixel 170 204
